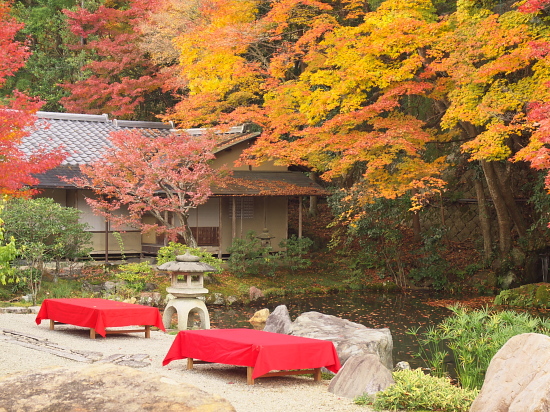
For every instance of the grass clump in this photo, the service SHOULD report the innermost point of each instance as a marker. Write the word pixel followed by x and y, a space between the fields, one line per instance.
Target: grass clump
pixel 473 337
pixel 415 390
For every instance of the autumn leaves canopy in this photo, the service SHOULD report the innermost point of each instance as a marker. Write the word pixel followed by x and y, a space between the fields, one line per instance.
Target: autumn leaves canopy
pixel 375 90
pixel 373 95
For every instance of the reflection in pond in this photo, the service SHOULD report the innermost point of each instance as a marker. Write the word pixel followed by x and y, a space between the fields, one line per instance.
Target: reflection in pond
pixel 398 312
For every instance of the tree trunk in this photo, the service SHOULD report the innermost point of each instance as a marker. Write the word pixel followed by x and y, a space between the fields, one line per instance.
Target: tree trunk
pixel 503 174
pixel 503 216
pixel 416 223
pixel 186 232
pixel 312 206
pixel 484 222
pixel 416 227
pixel 188 237
pixel 182 220
pixel 313 199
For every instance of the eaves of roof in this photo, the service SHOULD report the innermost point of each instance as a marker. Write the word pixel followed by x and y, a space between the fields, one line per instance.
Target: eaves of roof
pixel 52 179
pixel 256 183
pixel 239 183
pixel 225 144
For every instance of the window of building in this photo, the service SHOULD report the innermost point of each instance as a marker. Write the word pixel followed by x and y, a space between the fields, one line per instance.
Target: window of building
pixel 244 207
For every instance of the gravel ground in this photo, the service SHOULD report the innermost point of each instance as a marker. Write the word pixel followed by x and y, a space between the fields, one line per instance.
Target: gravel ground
pixel 277 394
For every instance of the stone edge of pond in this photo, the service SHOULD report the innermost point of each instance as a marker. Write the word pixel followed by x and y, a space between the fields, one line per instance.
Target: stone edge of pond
pixel 20 309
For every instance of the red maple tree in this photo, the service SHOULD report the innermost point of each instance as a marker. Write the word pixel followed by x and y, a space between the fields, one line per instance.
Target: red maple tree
pixel 162 176
pixel 17 117
pixel 118 78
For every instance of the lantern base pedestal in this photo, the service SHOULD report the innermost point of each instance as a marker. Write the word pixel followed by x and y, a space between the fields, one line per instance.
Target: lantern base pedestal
pixel 186 308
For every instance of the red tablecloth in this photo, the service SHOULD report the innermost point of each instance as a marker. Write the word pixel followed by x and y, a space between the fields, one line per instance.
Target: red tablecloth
pixel 265 351
pixel 98 313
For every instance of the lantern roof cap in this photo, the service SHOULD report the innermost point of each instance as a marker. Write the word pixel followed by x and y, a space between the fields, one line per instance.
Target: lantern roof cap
pixel 186 263
pixel 265 235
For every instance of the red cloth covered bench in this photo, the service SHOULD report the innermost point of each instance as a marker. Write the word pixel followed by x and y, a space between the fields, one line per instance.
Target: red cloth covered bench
pixel 99 314
pixel 261 352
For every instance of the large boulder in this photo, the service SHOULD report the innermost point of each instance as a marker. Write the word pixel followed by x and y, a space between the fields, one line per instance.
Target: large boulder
pixel 349 338
pixel 518 377
pixel 103 387
pixel 279 321
pixel 361 374
pixel 259 316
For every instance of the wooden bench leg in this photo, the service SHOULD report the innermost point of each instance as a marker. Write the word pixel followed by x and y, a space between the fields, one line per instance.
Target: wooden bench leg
pixel 147 331
pixel 92 333
pixel 317 374
pixel 189 363
pixel 52 323
pixel 249 372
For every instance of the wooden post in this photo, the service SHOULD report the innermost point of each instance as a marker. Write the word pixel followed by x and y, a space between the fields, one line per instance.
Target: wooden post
pixel 106 241
pixel 189 363
pixel 234 217
pixel 249 372
pixel 317 374
pixel 220 228
pixel 242 217
pixel 300 219
pixel 197 224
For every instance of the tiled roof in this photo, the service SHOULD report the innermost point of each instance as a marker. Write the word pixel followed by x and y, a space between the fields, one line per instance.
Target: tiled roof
pixel 83 136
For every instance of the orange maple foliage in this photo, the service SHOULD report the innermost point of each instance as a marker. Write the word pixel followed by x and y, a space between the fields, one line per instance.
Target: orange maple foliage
pixel 358 95
pixel 328 91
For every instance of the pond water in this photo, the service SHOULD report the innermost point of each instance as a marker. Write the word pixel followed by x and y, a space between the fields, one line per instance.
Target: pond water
pixel 398 312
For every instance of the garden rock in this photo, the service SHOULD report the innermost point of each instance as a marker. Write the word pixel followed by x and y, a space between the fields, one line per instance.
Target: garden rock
pixel 150 298
pixel 402 366
pixel 361 374
pixel 518 377
pixel 215 299
pixel 260 316
pixel 26 298
pixel 92 288
pixel 102 388
pixel 279 321
pixel 254 293
pixel 109 286
pixel 349 338
pixel 231 299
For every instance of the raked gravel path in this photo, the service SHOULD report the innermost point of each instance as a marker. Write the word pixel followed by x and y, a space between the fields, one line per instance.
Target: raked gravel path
pixel 26 346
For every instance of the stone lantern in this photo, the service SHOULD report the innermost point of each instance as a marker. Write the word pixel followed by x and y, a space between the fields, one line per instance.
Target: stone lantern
pixel 186 285
pixel 265 238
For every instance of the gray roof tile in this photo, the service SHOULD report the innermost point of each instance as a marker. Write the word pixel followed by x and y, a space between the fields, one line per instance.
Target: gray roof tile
pixel 84 137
